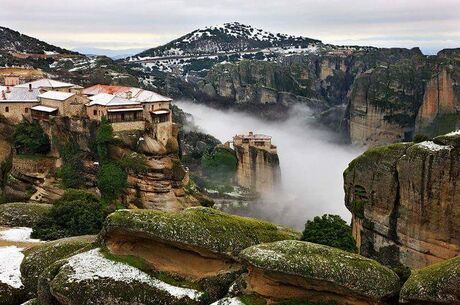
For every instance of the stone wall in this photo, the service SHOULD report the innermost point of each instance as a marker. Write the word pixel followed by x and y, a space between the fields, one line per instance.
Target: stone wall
pixel 128 126
pixel 16 110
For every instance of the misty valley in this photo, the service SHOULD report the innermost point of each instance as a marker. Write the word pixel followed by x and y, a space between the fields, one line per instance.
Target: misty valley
pixel 312 160
pixel 229 165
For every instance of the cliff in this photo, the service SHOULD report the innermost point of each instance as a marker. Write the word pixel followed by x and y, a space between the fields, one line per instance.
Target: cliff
pixel 258 164
pixel 403 198
pixel 396 101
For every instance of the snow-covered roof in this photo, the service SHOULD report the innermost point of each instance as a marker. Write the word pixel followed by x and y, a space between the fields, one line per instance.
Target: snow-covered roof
pixel 132 93
pixel 44 108
pixel 146 96
pixel 46 83
pixel 105 99
pixel 19 94
pixel 56 95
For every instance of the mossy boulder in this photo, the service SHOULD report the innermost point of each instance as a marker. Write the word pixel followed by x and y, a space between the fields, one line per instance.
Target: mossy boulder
pixel 201 227
pixel 41 256
pixel 312 268
pixel 91 278
pixel 10 295
pixel 22 214
pixel 435 284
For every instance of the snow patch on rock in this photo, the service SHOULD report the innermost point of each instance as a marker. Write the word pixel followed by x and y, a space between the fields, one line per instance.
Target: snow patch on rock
pixel 10 261
pixel 229 301
pixel 93 265
pixel 20 234
pixel 430 145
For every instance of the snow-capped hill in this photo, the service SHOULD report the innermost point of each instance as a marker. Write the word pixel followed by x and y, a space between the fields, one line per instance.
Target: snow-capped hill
pixel 226 38
pixel 13 41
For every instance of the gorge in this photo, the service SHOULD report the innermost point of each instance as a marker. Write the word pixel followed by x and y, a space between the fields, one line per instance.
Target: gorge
pixel 311 160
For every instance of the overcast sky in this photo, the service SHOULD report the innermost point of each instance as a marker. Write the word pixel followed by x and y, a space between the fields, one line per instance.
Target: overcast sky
pixel 120 24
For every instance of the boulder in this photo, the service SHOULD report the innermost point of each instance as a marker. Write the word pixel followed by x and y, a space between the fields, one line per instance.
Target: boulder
pixel 436 284
pixel 305 271
pixel 22 214
pixel 91 278
pixel 150 146
pixel 199 244
pixel 41 256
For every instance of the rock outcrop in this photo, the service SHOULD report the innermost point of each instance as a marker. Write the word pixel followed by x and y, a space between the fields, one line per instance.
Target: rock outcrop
pixel 6 160
pixel 22 214
pixel 436 284
pixel 196 243
pixel 40 257
pixel 316 273
pixel 258 163
pixel 404 201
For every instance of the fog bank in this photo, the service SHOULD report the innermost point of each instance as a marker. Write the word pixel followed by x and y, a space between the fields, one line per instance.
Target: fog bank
pixel 311 162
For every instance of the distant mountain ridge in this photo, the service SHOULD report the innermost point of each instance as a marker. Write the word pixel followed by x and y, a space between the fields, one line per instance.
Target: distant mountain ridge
pixel 13 41
pixel 225 38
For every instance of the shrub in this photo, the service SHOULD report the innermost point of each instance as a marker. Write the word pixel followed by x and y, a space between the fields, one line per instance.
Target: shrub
pixel 76 213
pixel 220 165
pixel 111 180
pixel 29 138
pixel 329 230
pixel 71 171
pixel 104 136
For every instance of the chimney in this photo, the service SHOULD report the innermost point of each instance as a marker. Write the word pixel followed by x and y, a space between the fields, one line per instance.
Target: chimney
pixel 8 89
pixel 251 133
pixel 30 87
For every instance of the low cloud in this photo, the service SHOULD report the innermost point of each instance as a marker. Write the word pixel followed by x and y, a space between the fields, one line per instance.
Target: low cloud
pixel 311 160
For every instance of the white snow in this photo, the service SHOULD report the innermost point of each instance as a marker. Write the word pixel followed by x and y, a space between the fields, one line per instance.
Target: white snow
pixel 453 133
pixel 229 301
pixel 10 261
pixel 93 265
pixel 20 234
pixel 430 145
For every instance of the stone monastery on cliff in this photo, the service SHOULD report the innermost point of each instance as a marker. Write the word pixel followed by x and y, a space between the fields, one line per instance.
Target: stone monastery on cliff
pixel 126 108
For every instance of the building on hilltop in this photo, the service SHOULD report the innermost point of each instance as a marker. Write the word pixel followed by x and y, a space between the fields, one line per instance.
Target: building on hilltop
pixel 258 163
pixel 16 102
pixel 123 114
pixel 155 108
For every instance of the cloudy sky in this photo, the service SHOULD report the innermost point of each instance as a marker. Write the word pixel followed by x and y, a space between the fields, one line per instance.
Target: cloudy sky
pixel 122 24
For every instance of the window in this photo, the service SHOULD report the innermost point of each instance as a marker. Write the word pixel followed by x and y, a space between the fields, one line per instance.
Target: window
pixel 26 110
pixel 94 112
pixel 7 109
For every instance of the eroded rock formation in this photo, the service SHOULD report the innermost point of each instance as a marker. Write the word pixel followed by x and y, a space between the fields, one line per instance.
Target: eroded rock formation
pixel 404 201
pixel 305 271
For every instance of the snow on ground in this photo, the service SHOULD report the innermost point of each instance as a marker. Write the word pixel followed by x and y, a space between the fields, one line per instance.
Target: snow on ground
pixel 10 260
pixel 430 145
pixel 92 265
pixel 20 234
pixel 228 301
pixel 454 133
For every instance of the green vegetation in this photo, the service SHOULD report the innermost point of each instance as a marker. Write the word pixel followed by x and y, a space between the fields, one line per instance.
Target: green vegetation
pixel 72 169
pixel 30 138
pixel 22 214
pixel 442 124
pixel 329 230
pixel 76 213
pixel 134 163
pixel 111 180
pixel 104 136
pixel 220 165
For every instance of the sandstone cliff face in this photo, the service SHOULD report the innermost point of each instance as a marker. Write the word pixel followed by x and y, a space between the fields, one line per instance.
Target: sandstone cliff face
pixel 404 201
pixel 397 100
pixel 258 169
